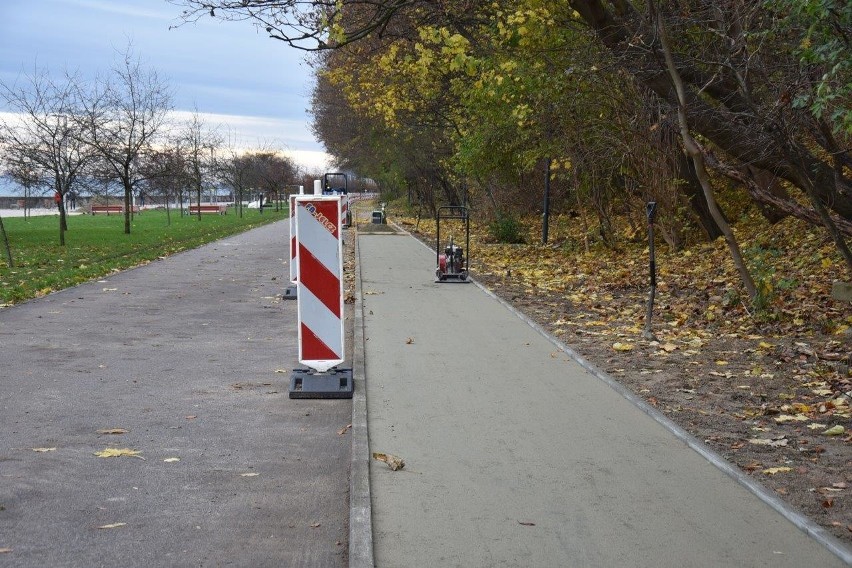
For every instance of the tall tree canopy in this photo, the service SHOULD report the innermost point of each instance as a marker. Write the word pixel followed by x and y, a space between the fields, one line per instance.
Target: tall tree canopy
pixel 458 92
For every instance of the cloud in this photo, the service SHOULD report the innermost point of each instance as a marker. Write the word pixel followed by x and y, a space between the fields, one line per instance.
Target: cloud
pixel 120 8
pixel 256 130
pixel 254 87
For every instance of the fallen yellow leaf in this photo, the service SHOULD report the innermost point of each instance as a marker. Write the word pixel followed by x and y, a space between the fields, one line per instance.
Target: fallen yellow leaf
pixel 119 452
pixel 774 470
pixel 790 418
pixel 394 462
pixel 42 450
pixel 618 346
pixel 113 431
pixel 765 345
pixel 771 442
pixel 835 431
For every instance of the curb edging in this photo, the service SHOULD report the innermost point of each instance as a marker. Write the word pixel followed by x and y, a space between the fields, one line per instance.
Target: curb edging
pixel 360 507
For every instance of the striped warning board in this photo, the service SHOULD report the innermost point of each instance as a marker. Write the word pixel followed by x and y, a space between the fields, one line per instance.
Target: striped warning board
pixel 344 211
pixel 319 273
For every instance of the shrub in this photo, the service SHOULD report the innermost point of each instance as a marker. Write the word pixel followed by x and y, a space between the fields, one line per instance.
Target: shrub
pixel 507 229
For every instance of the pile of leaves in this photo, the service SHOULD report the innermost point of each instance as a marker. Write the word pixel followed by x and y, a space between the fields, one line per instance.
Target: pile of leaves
pixel 766 386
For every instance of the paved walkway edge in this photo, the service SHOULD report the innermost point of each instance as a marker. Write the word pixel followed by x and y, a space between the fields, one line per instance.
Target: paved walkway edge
pixel 360 508
pixel 803 523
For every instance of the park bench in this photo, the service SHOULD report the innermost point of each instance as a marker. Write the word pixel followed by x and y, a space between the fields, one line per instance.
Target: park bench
pixel 110 209
pixel 212 208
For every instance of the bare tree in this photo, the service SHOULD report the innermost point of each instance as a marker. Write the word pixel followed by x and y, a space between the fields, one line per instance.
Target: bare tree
pixel 46 135
pixel 274 173
pixel 236 170
pixel 303 24
pixel 23 172
pixel 197 143
pixel 165 171
pixel 122 117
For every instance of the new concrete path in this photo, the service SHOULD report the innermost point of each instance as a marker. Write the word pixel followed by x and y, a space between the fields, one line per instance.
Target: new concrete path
pixel 183 354
pixel 516 455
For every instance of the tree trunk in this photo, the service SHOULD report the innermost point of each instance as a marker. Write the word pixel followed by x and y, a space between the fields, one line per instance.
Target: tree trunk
pixel 727 120
pixel 63 221
pixel 825 217
pixel 127 202
pixel 697 156
pixel 768 183
pixel 693 191
pixel 760 195
pixel 6 244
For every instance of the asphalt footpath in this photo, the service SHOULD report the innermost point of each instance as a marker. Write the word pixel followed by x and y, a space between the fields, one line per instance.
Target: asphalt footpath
pixel 518 453
pixel 189 356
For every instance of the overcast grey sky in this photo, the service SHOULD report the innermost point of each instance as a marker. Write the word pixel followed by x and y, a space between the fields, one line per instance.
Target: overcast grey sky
pixel 256 85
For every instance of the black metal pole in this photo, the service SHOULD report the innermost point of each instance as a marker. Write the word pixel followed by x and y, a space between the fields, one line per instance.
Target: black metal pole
pixel 651 212
pixel 546 213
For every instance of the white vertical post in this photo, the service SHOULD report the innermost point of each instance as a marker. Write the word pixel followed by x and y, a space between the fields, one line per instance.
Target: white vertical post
pixel 294 245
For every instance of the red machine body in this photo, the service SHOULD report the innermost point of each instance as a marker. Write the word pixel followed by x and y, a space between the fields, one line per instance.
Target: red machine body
pixel 452 264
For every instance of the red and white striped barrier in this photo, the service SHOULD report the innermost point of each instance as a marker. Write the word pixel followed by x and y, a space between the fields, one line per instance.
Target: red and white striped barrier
pixel 319 275
pixel 344 210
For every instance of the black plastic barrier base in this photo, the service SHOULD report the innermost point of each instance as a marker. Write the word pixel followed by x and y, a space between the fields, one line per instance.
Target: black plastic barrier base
pixel 334 383
pixel 290 292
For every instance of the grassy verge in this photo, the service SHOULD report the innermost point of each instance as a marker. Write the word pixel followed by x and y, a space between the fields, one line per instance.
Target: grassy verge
pixel 96 246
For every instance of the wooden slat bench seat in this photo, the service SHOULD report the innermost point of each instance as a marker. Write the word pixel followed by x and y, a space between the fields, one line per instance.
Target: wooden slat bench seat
pixel 211 208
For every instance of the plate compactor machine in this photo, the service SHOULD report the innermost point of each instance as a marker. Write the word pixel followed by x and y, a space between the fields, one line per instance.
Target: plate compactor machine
pixel 453 264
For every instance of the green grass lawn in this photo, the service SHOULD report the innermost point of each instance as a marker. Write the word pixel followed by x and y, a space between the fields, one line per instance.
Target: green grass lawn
pixel 96 246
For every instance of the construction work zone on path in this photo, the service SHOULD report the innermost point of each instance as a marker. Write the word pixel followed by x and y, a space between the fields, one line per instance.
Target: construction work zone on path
pixel 145 422
pixel 516 454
